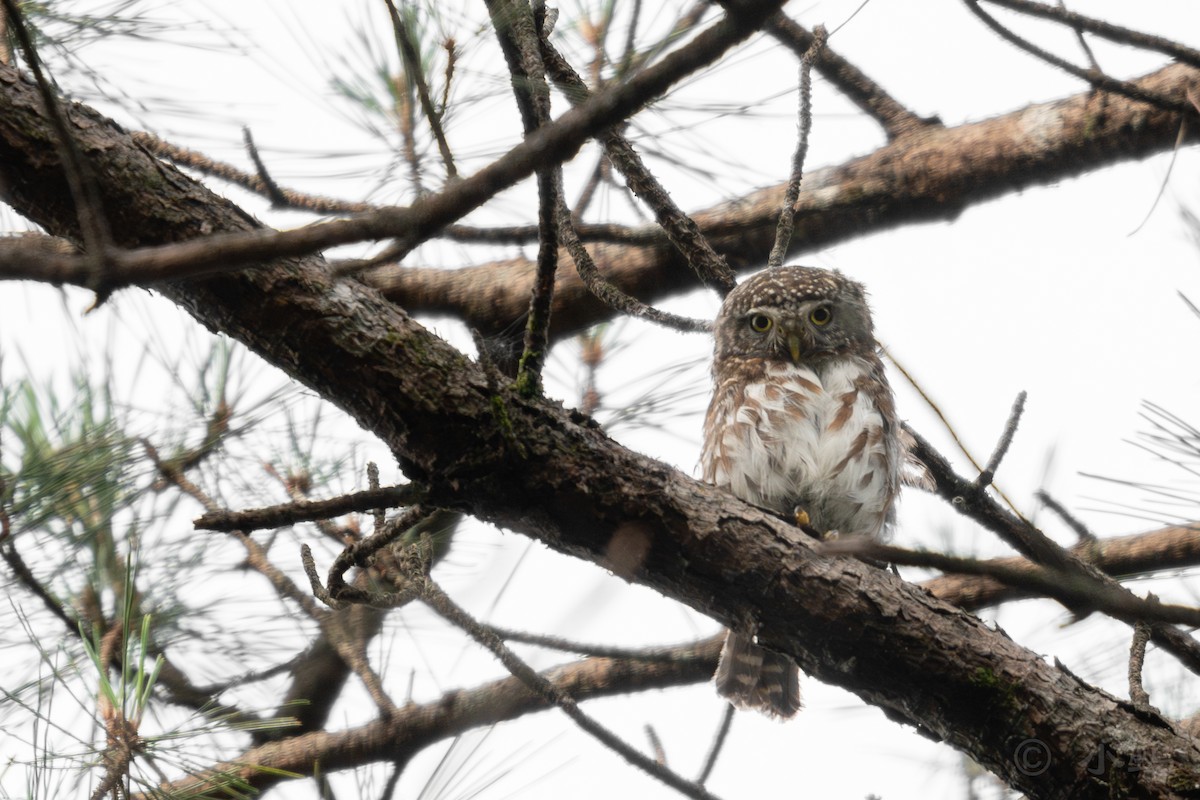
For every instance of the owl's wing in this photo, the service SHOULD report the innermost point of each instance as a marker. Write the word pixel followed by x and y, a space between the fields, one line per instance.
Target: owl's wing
pixel 913 471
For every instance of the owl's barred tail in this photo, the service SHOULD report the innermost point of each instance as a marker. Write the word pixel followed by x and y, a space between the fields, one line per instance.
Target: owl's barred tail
pixel 750 676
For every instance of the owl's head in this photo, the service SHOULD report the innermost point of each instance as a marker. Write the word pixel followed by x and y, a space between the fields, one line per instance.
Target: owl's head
pixel 798 314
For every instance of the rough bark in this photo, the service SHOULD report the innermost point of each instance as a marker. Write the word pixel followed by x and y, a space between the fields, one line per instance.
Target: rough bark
pixel 929 173
pixel 531 466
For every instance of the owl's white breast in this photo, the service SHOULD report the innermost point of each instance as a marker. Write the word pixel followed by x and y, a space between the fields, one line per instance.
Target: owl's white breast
pixel 792 437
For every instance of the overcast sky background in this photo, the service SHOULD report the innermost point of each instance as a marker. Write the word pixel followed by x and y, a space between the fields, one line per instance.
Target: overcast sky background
pixel 1068 292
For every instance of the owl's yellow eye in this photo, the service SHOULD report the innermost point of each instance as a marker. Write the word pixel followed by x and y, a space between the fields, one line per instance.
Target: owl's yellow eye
pixel 760 323
pixel 820 315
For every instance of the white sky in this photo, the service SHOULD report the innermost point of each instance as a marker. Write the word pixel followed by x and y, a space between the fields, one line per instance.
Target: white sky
pixel 1068 292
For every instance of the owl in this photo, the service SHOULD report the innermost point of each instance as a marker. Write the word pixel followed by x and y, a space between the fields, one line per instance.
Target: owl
pixel 801 418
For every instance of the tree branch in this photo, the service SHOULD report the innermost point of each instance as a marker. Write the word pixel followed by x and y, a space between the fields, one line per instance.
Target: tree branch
pixel 415 726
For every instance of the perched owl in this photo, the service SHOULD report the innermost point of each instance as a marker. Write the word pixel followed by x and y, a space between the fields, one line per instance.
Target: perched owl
pixel 801 417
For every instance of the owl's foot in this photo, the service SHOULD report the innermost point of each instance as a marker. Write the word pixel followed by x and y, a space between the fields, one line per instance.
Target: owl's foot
pixel 801 517
pixel 830 536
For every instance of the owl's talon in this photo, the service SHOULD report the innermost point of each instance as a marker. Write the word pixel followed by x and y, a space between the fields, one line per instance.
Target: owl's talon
pixel 801 516
pixel 830 536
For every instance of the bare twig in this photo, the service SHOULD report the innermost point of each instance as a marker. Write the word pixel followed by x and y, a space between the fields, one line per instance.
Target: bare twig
pixel 783 231
pixel 610 294
pixel 988 473
pixel 1097 79
pixel 583 648
pixel 446 608
pixel 291 513
pixel 680 228
pixel 1106 30
pixel 287 198
pixel 596 177
pixel 1081 530
pixel 270 188
pixel 865 93
pixel 26 578
pixel 1035 545
pixel 256 556
pixel 1137 657
pixel 336 591
pixel 660 754
pixel 1083 43
pixel 718 742
pixel 379 515
pixel 970 500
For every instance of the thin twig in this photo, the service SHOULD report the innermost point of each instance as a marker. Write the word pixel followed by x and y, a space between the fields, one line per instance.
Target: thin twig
pixel 1083 43
pixel 1106 30
pixel 605 291
pixel 865 93
pixel 668 653
pixel 25 577
pixel 446 608
pixel 680 228
pixel 537 326
pixel 660 754
pixel 718 743
pixel 1081 530
pixel 970 500
pixel 359 554
pixel 1099 80
pixel 256 555
pixel 414 71
pixel 1137 657
pixel 379 514
pixel 988 473
pixel 286 198
pixel 946 424
pixel 292 513
pixel 270 188
pixel 787 214
pixel 595 178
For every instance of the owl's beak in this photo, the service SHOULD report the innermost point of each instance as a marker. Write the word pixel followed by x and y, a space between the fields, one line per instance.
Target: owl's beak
pixel 793 343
